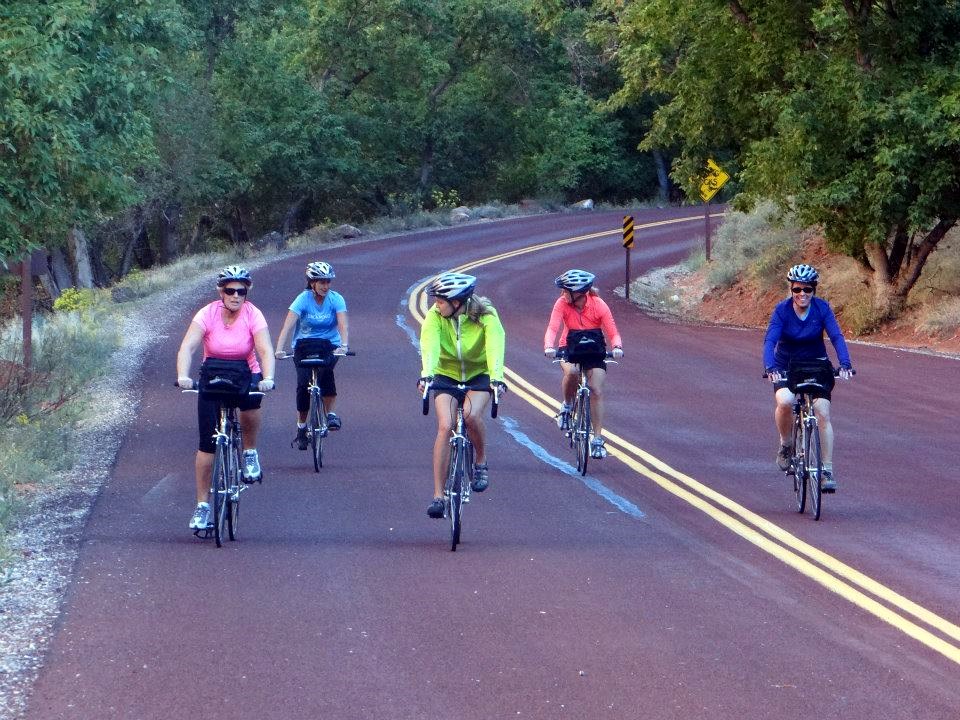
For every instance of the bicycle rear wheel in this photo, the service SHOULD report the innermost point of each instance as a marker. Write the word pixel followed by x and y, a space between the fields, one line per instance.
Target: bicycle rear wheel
pixel 814 463
pixel 454 491
pixel 233 493
pixel 799 466
pixel 316 430
pixel 218 488
pixel 582 431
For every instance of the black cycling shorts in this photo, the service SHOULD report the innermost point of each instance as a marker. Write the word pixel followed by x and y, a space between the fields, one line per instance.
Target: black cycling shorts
pixel 443 385
pixel 588 363
pixel 208 414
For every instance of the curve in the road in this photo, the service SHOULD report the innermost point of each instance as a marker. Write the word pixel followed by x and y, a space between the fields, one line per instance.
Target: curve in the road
pixel 767 536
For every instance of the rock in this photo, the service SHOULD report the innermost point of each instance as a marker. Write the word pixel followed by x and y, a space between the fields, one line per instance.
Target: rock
pixel 121 294
pixel 460 214
pixel 271 239
pixel 583 205
pixel 347 231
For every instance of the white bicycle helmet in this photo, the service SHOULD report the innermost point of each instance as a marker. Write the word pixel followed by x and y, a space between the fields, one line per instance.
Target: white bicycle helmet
pixel 234 273
pixel 452 286
pixel 803 274
pixel 320 271
pixel 575 280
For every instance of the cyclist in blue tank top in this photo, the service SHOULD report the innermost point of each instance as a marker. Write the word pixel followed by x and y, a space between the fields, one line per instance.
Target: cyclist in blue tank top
pixel 795 332
pixel 317 317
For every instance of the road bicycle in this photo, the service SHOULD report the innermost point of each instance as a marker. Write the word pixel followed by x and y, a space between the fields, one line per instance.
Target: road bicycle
pixel 579 426
pixel 806 460
pixel 226 482
pixel 317 428
pixel 456 491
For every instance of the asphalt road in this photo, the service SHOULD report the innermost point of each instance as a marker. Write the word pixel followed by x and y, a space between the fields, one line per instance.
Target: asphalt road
pixel 675 581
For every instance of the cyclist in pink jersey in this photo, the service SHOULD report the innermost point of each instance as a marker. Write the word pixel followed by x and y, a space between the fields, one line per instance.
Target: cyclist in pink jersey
pixel 229 328
pixel 579 308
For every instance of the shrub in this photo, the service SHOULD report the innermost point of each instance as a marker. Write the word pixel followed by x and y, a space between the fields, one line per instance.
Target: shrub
pixel 75 300
pixel 757 245
pixel 942 318
pixel 445 200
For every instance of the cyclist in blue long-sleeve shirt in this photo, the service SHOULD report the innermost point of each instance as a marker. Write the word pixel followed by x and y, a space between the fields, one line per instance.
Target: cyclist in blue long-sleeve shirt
pixel 795 333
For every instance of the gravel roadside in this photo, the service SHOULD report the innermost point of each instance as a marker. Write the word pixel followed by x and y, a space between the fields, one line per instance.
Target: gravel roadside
pixel 46 539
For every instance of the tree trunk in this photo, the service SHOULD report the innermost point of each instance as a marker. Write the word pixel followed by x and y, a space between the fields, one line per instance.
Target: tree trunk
pixel 892 284
pixel 238 229
pixel 203 224
pixel 170 231
pixel 291 221
pixel 426 167
pixel 80 257
pixel 663 176
pixel 884 300
pixel 48 281
pixel 137 236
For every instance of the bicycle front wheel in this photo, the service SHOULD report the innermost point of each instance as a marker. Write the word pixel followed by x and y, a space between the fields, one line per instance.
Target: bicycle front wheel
pixel 218 488
pixel 582 431
pixel 233 493
pixel 454 491
pixel 799 466
pixel 814 467
pixel 316 430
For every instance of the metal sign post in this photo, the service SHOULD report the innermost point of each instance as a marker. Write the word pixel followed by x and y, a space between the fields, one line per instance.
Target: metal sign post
pixel 627 244
pixel 715 179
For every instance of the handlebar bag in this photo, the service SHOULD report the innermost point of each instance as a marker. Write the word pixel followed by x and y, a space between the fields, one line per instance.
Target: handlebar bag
pixel 225 377
pixel 819 372
pixel 586 345
pixel 315 351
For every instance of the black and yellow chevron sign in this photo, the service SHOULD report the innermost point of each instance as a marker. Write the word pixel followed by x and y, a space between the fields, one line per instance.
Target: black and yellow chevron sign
pixel 628 231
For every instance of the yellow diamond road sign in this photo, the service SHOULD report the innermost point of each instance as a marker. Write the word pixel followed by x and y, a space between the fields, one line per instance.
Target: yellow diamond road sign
pixel 715 179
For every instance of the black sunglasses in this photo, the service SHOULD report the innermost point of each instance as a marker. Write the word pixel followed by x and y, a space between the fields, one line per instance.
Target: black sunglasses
pixel 798 290
pixel 236 291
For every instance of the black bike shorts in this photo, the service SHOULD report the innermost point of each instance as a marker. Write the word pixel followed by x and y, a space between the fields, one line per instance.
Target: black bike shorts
pixel 208 413
pixel 443 385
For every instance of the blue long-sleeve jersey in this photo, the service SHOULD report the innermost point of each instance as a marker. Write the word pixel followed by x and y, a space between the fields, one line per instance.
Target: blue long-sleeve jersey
pixel 789 337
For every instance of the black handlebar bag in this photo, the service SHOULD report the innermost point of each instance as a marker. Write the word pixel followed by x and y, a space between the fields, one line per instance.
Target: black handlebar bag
pixel 225 380
pixel 815 371
pixel 314 352
pixel 586 345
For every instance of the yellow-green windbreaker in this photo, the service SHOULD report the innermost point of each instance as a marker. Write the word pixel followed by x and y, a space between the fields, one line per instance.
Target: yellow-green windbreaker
pixel 461 348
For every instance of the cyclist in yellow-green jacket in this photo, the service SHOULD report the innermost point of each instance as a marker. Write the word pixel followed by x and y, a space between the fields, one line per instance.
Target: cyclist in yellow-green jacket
pixel 461 343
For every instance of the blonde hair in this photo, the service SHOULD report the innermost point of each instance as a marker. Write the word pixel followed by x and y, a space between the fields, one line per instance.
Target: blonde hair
pixel 475 306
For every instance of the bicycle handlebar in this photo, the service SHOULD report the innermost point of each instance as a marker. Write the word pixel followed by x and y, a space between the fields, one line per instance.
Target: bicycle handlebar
pixel 836 373
pixel 560 356
pixel 494 406
pixel 254 388
pixel 290 356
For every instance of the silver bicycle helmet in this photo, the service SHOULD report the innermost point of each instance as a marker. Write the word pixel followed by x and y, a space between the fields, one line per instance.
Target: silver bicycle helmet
pixel 452 286
pixel 575 280
pixel 320 271
pixel 234 273
pixel 803 274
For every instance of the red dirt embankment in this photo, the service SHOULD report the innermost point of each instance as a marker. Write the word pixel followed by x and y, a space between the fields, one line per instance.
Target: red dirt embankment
pixel 745 305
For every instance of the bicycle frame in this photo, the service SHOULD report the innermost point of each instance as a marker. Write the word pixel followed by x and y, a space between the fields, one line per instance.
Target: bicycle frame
pixel 228 467
pixel 580 427
pixel 806 462
pixel 456 491
pixel 317 428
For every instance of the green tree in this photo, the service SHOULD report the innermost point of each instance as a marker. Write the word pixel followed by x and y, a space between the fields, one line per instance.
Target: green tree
pixel 75 77
pixel 844 111
pixel 281 143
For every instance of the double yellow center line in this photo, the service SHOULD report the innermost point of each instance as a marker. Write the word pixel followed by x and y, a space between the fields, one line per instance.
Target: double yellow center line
pixel 927 627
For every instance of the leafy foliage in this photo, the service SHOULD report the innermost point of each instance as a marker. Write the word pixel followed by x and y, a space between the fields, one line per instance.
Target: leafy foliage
pixel 846 113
